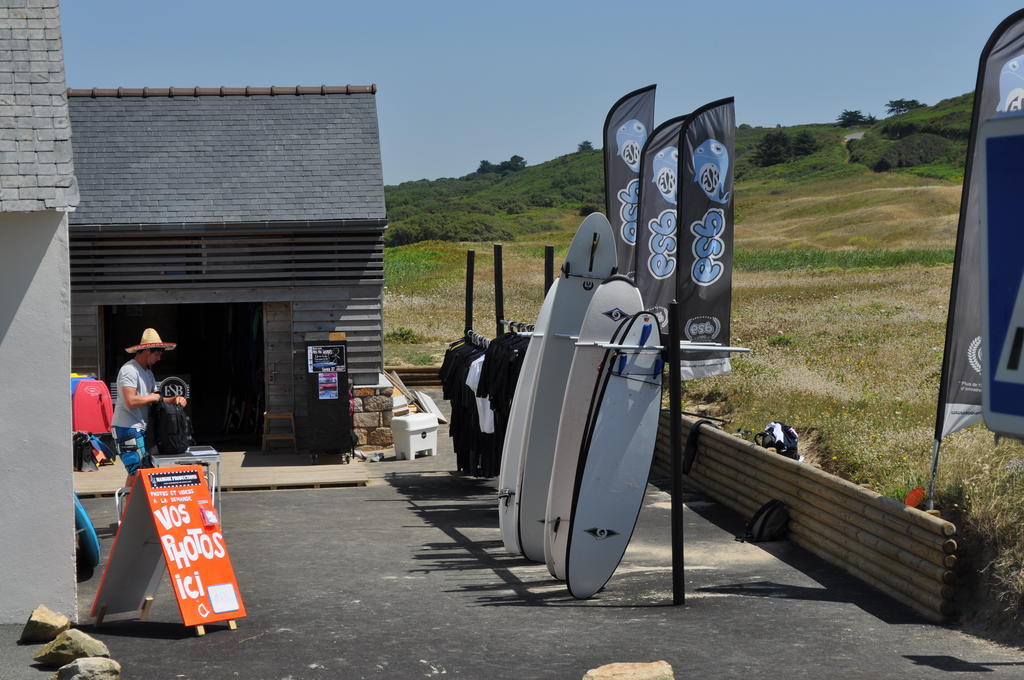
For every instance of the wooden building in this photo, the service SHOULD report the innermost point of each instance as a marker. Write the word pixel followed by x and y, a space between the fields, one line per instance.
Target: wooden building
pixel 238 222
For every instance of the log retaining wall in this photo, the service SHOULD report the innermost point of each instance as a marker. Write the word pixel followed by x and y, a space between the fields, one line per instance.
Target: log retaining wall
pixel 904 552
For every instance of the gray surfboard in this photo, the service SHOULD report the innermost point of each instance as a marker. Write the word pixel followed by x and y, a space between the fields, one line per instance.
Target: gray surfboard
pixel 615 460
pixel 591 259
pixel 518 428
pixel 614 302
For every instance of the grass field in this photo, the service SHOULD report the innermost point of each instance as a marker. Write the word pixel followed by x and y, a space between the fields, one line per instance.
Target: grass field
pixel 841 290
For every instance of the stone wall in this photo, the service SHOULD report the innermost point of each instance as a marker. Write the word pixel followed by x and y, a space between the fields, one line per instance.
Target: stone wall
pixel 372 420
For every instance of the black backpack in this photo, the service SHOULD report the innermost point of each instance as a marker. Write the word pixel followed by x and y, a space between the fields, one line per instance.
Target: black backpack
pixel 786 445
pixel 169 428
pixel 769 523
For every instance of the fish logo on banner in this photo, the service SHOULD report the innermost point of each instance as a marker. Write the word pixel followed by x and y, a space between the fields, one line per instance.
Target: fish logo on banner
pixel 625 133
pixel 711 162
pixel 629 139
pixel 666 164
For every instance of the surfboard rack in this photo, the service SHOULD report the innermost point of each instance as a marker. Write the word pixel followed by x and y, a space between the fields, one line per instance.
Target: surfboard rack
pixel 505 495
pixel 684 346
pixel 499 290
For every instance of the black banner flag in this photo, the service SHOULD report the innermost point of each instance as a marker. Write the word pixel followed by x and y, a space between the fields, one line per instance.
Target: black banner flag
pixel 626 128
pixel 704 281
pixel 656 240
pixel 1000 88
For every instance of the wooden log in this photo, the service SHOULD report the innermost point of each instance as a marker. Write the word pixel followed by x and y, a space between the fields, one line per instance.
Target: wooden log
pixel 728 492
pixel 886 568
pixel 813 504
pixel 933 607
pixel 732 444
pixel 936 580
pixel 929 546
pixel 862 504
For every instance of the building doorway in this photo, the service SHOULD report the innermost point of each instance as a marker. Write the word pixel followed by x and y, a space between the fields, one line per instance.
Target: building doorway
pixel 219 354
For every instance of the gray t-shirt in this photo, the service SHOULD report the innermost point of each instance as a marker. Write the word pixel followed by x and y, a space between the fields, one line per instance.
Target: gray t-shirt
pixel 144 382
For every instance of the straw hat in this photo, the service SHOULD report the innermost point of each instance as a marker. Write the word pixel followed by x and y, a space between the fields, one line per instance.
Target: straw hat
pixel 150 340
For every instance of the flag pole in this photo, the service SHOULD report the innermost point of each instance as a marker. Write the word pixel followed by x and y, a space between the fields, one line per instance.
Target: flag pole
pixel 935 470
pixel 674 409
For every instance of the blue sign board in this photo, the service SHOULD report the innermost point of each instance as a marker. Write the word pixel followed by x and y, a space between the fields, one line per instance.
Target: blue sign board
pixel 1002 269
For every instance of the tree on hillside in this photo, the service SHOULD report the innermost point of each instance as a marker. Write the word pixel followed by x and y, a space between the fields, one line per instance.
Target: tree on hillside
pixel 850 118
pixel 774 147
pixel 585 145
pixel 513 164
pixel 804 143
pixel 895 107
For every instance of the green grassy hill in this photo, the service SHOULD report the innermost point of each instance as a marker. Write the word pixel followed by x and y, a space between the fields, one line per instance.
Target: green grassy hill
pixel 895 185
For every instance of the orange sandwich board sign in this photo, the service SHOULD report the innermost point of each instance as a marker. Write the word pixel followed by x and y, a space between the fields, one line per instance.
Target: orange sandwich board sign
pixel 170 520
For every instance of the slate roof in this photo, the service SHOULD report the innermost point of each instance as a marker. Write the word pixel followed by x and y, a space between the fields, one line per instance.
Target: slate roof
pixel 152 159
pixel 35 148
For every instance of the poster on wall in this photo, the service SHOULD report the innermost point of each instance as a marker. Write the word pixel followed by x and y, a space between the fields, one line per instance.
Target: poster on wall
pixel 327 385
pixel 326 358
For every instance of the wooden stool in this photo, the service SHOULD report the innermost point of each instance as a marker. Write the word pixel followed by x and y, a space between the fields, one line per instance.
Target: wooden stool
pixel 270 436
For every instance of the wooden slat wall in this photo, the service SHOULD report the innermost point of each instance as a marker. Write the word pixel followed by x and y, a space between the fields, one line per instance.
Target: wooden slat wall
pixel 277 343
pixel 358 313
pixel 206 260
pixel 85 339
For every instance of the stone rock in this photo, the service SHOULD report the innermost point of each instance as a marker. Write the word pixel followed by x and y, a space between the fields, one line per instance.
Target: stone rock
pixel 68 646
pixel 43 625
pixel 656 670
pixel 378 404
pixel 368 420
pixel 89 668
pixel 380 437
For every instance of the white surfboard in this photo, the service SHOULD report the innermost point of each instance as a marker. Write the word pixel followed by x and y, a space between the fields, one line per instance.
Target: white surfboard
pixel 615 302
pixel 591 259
pixel 515 433
pixel 615 461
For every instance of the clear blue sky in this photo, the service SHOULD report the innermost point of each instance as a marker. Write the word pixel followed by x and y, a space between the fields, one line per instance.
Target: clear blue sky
pixel 459 82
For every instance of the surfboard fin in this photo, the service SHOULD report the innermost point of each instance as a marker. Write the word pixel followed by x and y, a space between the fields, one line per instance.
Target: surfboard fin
pixel 645 334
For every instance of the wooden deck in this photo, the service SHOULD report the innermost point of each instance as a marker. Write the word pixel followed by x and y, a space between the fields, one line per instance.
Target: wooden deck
pixel 247 471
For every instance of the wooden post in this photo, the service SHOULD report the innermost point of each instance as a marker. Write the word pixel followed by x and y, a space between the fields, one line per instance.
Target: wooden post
pixel 674 408
pixel 146 605
pixel 549 267
pixel 200 631
pixel 499 292
pixel 470 256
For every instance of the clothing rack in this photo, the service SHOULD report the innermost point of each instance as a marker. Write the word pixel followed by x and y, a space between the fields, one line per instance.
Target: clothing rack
pixel 517 326
pixel 477 340
pixel 499 289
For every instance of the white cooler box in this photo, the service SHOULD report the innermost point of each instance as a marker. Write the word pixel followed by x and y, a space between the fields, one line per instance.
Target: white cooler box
pixel 414 433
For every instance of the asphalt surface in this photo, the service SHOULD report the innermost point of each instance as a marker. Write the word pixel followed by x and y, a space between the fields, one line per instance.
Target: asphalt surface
pixel 407 578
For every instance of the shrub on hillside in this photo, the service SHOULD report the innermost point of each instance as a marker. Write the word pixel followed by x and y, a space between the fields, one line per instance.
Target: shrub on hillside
pixel 778 147
pixel 913 150
pixel 447 227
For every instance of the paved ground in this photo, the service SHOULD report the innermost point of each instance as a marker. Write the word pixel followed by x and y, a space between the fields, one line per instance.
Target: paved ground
pixel 407 578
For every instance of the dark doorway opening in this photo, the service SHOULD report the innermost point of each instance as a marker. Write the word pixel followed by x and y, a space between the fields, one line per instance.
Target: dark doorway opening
pixel 219 354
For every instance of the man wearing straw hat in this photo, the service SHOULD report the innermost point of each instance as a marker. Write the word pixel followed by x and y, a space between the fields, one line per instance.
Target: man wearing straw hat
pixel 136 386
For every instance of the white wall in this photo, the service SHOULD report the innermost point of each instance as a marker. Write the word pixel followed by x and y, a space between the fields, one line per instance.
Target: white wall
pixel 36 510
